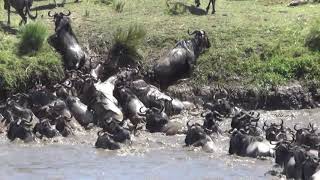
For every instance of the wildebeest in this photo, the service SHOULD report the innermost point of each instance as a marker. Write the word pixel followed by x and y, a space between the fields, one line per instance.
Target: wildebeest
pixel 180 61
pixel 274 132
pixel 151 96
pixel 213 2
pixel 21 129
pixel 197 137
pixel 20 6
pixel 222 106
pixel 117 132
pixel 80 111
pixel 243 144
pixel 310 168
pixel 307 136
pixel 291 157
pixel 65 42
pixel 210 122
pixel 44 129
pixel 156 118
pixel 242 119
pixel 130 103
pixel 106 142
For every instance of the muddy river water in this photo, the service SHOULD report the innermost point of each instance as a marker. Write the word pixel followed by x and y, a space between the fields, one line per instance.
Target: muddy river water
pixel 151 156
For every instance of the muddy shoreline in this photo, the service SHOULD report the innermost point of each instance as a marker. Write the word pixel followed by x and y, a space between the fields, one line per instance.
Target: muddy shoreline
pixel 288 97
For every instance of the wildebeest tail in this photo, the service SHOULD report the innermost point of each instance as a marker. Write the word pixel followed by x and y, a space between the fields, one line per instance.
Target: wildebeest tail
pixel 28 11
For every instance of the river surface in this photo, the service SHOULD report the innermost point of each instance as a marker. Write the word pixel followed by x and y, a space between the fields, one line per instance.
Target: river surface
pixel 151 156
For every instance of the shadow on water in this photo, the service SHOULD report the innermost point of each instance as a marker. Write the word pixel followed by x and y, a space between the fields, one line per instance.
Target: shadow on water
pixel 177 8
pixel 4 27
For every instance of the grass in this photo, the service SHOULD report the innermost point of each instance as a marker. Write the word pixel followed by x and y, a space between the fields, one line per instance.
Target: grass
pixel 254 42
pixel 118 5
pixel 32 37
pixel 38 62
pixel 126 41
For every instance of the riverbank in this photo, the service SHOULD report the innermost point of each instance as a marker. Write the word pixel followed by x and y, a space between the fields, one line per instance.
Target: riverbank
pixel 257 46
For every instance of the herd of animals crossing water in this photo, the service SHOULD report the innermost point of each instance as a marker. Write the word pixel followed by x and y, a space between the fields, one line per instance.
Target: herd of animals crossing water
pixel 132 100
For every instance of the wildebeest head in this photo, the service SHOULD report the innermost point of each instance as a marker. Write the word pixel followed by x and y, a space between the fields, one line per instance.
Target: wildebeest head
pixel 242 119
pixel 116 131
pixel 106 142
pixel 310 165
pixel 63 126
pixel 155 119
pixel 195 134
pixel 61 21
pixel 21 129
pixel 307 135
pixel 222 106
pixel 282 150
pixel 275 132
pixel 238 141
pixel 44 129
pixel 210 122
pixel 201 40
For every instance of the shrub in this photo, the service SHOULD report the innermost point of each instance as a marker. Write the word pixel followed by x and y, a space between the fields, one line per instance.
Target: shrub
pixel 125 42
pixel 312 40
pixel 32 36
pixel 118 5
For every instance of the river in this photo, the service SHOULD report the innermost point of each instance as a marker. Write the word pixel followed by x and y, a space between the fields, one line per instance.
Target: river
pixel 151 156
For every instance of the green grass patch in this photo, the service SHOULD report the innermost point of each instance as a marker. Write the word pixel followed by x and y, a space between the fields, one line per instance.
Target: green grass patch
pixel 32 37
pixel 125 44
pixel 254 43
pixel 312 40
pixel 118 5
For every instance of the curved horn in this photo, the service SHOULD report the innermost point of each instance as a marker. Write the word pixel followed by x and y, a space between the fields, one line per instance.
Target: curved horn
pixel 204 114
pixel 162 108
pixel 30 15
pixel 49 14
pixel 312 127
pixel 99 133
pixel 192 32
pixel 69 13
pixel 272 143
pixel 295 127
pixel 293 138
pixel 140 113
pixel 230 131
pixel 281 125
pixel 264 125
pixel 188 125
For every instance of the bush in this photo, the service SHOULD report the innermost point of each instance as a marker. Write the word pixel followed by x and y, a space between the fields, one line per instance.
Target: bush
pixel 32 36
pixel 118 5
pixel 312 40
pixel 124 46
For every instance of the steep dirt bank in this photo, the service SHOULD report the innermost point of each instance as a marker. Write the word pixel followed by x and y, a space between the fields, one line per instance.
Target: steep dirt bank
pixel 291 96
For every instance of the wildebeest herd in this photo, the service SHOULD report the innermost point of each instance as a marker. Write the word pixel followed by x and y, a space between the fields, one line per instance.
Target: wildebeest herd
pixel 129 101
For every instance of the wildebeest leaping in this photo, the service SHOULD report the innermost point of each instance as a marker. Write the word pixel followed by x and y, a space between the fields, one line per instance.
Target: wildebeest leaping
pixel 180 61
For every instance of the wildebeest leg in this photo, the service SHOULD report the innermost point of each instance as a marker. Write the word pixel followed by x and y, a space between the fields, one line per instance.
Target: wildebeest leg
pixel 197 2
pixel 208 7
pixel 23 16
pixel 8 8
pixel 213 6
